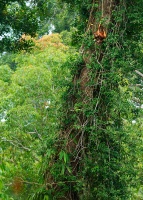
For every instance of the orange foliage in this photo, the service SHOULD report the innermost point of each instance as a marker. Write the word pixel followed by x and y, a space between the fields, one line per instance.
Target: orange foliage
pixel 46 40
pixel 50 40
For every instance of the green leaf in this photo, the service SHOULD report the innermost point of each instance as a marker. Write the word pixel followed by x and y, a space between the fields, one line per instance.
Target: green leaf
pixel 46 197
pixel 63 155
pixel 63 170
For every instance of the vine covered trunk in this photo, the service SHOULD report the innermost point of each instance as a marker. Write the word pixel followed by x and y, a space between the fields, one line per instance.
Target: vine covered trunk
pixel 90 142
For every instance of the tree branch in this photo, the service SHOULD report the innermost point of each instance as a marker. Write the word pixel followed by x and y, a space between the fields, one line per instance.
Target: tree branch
pixel 139 73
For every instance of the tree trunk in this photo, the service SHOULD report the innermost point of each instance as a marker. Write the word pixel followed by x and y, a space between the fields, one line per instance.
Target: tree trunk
pixel 89 123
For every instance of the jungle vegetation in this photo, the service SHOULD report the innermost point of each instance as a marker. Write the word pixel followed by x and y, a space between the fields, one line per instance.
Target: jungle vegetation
pixel 71 100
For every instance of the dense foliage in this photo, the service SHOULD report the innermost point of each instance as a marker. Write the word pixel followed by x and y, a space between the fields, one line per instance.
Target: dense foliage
pixel 71 123
pixel 30 93
pixel 99 145
pixel 18 17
